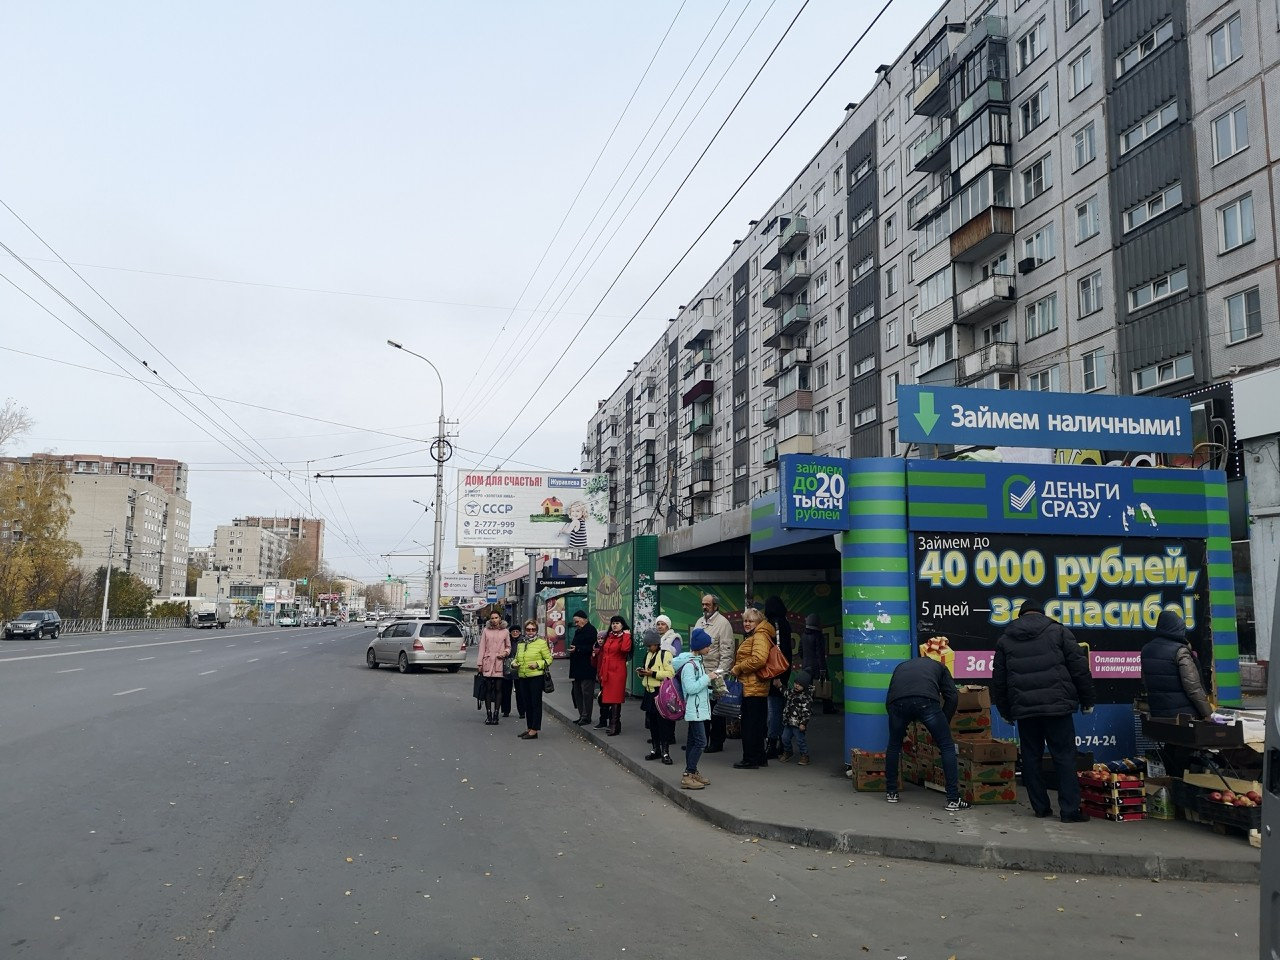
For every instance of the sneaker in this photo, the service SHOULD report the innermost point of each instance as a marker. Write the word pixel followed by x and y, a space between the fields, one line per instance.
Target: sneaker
pixel 690 782
pixel 804 760
pixel 784 757
pixel 892 796
pixel 701 779
pixel 955 806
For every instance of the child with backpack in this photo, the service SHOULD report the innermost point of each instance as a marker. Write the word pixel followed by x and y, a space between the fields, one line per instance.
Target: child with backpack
pixel 694 684
pixel 657 667
pixel 796 713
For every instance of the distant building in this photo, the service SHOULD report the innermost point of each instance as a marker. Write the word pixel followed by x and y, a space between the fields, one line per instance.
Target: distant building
pixel 251 551
pixel 497 561
pixel 302 530
pixel 470 560
pixel 253 591
pixel 198 557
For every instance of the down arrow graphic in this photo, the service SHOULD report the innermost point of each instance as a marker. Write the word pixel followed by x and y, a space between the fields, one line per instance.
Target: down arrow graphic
pixel 926 417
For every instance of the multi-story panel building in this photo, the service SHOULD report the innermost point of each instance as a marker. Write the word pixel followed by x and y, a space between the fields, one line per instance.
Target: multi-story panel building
pixel 251 551
pixel 1034 195
pixel 497 561
pixel 305 531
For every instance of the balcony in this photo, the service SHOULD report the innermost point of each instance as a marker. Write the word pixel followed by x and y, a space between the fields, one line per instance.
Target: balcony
pixel 699 455
pixel 795 275
pixel 702 479
pixel 794 235
pixel 648 486
pixel 930 151
pixel 982 235
pixel 993 157
pixel 700 389
pixel 611 464
pixel 922 205
pixel 771 295
pixel 770 454
pixel 644 435
pixel 990 27
pixel 769 414
pixel 772 259
pixel 701 423
pixel 993 91
pixel 984 298
pixel 993 358
pixel 791 323
pixel 789 361
pixel 698 359
pixel 699 332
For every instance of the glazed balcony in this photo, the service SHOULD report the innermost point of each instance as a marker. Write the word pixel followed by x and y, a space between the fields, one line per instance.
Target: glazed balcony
pixel 983 235
pixel 794 277
pixel 790 323
pixel 701 423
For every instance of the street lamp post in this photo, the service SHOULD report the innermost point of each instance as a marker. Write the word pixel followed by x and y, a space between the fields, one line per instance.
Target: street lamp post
pixel 440 451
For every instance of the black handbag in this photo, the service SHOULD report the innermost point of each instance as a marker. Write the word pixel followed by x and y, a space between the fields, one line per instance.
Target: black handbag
pixel 477 688
pixel 548 685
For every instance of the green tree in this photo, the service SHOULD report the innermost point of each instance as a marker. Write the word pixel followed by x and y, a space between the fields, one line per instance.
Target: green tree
pixel 162 611
pixel 35 554
pixel 129 596
pixel 193 577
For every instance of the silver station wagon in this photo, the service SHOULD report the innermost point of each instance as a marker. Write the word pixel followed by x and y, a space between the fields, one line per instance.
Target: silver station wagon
pixel 413 644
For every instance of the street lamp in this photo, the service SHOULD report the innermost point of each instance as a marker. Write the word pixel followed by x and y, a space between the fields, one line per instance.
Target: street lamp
pixel 440 451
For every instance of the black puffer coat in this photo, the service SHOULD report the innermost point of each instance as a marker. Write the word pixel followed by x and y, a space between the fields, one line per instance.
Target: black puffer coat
pixel 1039 670
pixel 1170 674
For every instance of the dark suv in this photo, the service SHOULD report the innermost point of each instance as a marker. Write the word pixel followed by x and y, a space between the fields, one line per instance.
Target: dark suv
pixel 34 624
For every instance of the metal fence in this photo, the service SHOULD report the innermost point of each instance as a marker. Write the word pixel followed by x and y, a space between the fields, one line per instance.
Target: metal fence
pixel 122 623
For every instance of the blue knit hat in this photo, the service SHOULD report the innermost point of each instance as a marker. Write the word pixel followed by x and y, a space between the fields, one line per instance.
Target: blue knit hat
pixel 699 639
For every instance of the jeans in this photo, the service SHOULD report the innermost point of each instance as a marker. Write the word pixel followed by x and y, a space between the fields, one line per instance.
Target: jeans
pixel 1059 734
pixel 755 720
pixel 776 702
pixel 929 712
pixel 794 736
pixel 584 696
pixel 694 745
pixel 529 689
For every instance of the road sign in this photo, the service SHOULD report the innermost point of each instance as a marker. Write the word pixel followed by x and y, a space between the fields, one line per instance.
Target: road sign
pixel 1030 418
pixel 491 593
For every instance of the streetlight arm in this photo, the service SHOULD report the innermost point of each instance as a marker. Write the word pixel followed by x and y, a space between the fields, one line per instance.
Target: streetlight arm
pixel 434 369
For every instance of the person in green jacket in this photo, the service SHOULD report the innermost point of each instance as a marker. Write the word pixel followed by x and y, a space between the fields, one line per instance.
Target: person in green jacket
pixel 533 658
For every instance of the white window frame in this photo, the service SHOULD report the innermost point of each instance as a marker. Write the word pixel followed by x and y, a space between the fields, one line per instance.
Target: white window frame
pixel 1077 7
pixel 1243 211
pixel 1084 141
pixel 1234 119
pixel 1042 245
pixel 890 124
pixel 890 176
pixel 1030 46
pixel 1161 288
pixel 1088 218
pixel 1034 110
pixel 891 386
pixel 890 229
pixel 1081 73
pixel 1149 126
pixel 864 416
pixel 1044 380
pixel 1089 294
pixel 1044 178
pixel 865 315
pixel 1041 317
pixel 1232 44
pixel 864 366
pixel 891 280
pixel 1238 303
pixel 1144 48
pixel 1164 372
pixel 892 338
pixel 1170 198
pixel 1094 364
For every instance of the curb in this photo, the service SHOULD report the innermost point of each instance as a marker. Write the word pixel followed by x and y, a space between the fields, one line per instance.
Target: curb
pixel 988 855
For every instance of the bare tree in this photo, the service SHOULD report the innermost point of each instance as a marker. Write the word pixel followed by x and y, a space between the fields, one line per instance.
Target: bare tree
pixel 14 421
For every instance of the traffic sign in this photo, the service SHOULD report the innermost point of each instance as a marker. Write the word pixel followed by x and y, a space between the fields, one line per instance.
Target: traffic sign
pixel 491 593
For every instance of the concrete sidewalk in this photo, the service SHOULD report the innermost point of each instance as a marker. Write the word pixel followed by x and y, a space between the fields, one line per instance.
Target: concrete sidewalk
pixel 816 806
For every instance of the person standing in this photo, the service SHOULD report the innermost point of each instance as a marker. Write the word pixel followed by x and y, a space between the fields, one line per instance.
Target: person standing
pixel 671 640
pixel 495 646
pixel 1170 672
pixel 813 653
pixel 751 656
pixel 1039 678
pixel 533 660
pixel 582 675
pixel 796 714
pixel 718 659
pixel 695 683
pixel 775 612
pixel 922 689
pixel 612 656
pixel 657 667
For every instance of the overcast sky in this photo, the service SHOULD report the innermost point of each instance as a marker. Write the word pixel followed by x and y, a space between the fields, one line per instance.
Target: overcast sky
pixel 264 193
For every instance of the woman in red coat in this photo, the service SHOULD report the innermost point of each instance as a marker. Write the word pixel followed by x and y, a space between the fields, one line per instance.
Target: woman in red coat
pixel 612 659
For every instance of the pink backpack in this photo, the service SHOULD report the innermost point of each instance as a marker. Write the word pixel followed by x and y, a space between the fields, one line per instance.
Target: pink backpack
pixel 669 700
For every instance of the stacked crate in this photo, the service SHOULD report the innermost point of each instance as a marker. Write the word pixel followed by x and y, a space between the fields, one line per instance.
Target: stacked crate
pixel 1113 796
pixel 868 771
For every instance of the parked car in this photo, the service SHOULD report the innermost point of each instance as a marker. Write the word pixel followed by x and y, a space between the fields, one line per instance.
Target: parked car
pixel 34 624
pixel 414 644
pixel 286 621
pixel 329 621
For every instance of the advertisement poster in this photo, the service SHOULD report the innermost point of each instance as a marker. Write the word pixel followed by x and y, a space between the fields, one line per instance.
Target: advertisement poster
pixel 1108 591
pixel 533 510
pixel 460 585
pixel 553 625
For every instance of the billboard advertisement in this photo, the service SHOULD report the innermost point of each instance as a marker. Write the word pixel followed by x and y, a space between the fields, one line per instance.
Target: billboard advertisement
pixel 520 510
pixel 460 585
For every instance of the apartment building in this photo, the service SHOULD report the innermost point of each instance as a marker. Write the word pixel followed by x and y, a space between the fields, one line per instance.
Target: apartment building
pixel 305 531
pixel 250 551
pixel 497 561
pixel 1036 195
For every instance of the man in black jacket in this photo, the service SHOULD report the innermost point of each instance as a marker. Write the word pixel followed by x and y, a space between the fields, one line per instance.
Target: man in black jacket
pixel 922 689
pixel 582 675
pixel 1039 678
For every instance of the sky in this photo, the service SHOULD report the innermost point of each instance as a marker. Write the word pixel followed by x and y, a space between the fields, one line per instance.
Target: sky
pixel 252 198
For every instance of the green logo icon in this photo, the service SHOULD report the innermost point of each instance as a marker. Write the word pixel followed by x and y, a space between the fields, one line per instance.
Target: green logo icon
pixel 1020 500
pixel 926 416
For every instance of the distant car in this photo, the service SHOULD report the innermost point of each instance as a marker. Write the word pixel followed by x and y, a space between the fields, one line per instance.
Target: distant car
pixel 34 624
pixel 286 621
pixel 370 620
pixel 414 644
pixel 329 621
pixel 384 622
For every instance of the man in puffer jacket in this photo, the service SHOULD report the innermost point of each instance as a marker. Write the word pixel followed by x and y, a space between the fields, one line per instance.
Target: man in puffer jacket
pixel 1039 678
pixel 1170 672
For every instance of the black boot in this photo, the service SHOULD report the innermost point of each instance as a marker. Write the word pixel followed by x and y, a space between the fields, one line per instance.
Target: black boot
pixel 774 749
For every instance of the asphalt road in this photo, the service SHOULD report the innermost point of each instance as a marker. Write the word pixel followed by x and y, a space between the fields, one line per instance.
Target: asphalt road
pixel 262 794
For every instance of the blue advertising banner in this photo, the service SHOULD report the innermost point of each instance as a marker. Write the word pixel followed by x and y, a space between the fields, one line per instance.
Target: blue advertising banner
pixel 1027 418
pixel 814 492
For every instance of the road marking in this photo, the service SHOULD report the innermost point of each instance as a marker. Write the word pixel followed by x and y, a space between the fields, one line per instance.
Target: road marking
pixel 283 652
pixel 195 651
pixel 77 653
pixel 230 645
pixel 72 670
pixel 140 659
pixel 125 693
pixel 255 659
pixel 207 672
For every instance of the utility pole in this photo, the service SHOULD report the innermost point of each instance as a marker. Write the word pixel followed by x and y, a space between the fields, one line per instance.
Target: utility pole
pixel 440 451
pixel 531 608
pixel 106 584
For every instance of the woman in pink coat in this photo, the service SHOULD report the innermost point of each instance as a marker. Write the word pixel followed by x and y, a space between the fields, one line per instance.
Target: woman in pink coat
pixel 612 659
pixel 495 645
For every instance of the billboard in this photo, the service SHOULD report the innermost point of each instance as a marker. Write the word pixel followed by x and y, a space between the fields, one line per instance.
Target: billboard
pixel 519 510
pixel 460 585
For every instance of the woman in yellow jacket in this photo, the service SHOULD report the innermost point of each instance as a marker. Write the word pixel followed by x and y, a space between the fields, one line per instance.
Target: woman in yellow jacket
pixel 751 657
pixel 657 667
pixel 533 658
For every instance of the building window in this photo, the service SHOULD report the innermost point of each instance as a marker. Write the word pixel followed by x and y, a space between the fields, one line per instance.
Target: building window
pixel 1075 10
pixel 839 270
pixel 837 184
pixel 936 289
pixel 862 219
pixel 1226 45
pixel 1042 316
pixel 1144 48
pixel 890 125
pixel 864 366
pixel 840 365
pixel 861 170
pixel 890 229
pixel 1036 179
pixel 1235 223
pixel 822 420
pixel 820 285
pixel 864 416
pixel 819 196
pixel 1159 374
pixel 1095 370
pixel 890 177
pixel 839 413
pixel 820 375
pixel 891 387
pixel 861 269
pixel 1040 246
pixel 1244 315
pixel 891 335
pixel 1081 72
pixel 1085 148
pixel 1034 110
pixel 820 330
pixel 1030 46
pixel 1149 127
pixel 820 239
pixel 1044 380
pixel 1090 293
pixel 839 220
pixel 935 351
pixel 1230 133
pixel 893 441
pixel 891 281
pixel 1088 220
pixel 1167 199
pixel 1159 289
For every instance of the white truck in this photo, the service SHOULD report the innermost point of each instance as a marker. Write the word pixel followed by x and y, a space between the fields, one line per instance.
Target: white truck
pixel 211 613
